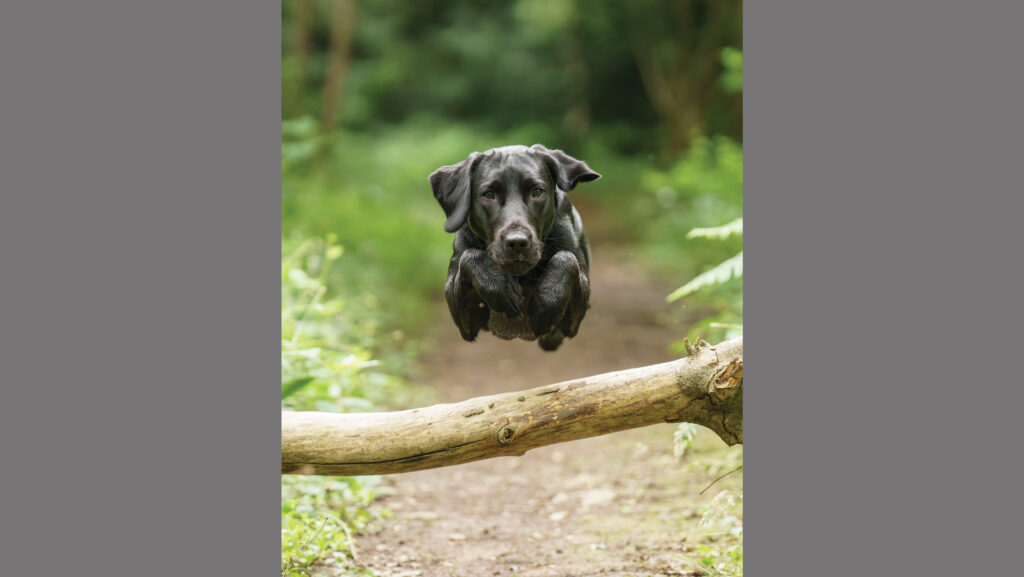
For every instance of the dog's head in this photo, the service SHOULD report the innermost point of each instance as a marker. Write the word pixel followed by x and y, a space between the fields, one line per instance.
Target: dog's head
pixel 507 197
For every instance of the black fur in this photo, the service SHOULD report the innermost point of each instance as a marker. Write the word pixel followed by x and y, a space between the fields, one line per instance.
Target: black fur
pixel 521 262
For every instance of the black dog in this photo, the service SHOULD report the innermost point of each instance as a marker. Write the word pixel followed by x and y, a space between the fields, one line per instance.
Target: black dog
pixel 521 265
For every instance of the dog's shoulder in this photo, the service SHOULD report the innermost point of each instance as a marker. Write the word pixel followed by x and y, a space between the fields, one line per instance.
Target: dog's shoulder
pixel 577 221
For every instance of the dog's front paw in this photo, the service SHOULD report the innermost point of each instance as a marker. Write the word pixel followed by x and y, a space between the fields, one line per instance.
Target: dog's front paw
pixel 545 311
pixel 470 319
pixel 551 341
pixel 574 314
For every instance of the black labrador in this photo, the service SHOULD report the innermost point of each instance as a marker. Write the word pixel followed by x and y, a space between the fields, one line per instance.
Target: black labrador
pixel 522 263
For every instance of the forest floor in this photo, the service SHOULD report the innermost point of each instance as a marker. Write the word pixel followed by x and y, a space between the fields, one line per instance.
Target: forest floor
pixel 617 505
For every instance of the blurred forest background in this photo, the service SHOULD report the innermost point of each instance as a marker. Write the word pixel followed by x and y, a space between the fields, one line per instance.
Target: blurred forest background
pixel 377 94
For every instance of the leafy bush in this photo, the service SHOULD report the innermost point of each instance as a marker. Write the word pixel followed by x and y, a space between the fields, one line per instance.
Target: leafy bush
pixel 723 516
pixel 321 370
pixel 722 284
pixel 720 530
pixel 326 362
pixel 725 279
pixel 723 520
pixel 318 517
pixel 705 188
pixel 326 365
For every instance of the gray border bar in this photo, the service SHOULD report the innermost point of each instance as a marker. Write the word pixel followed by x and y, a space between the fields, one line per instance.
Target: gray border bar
pixel 139 232
pixel 140 237
pixel 882 287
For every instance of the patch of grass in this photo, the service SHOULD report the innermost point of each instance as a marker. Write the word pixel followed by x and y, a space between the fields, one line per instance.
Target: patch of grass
pixel 318 518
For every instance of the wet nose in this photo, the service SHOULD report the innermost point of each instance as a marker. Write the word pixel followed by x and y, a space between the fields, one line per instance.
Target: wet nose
pixel 517 240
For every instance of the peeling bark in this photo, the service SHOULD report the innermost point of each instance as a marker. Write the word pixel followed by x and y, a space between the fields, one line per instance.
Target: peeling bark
pixel 705 388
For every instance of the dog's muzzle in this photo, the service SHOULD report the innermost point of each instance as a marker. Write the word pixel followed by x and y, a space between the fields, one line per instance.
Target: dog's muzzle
pixel 518 251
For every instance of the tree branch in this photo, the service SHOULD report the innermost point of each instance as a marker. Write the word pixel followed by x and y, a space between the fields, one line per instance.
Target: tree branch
pixel 705 388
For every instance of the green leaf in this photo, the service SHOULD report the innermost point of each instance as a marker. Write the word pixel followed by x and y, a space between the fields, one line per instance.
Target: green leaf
pixel 293 386
pixel 733 228
pixel 683 439
pixel 723 272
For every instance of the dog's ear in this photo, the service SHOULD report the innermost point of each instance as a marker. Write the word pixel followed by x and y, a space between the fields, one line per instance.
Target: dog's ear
pixel 451 186
pixel 568 171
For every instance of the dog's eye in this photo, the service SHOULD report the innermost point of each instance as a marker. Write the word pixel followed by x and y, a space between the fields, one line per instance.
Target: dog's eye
pixel 488 194
pixel 536 192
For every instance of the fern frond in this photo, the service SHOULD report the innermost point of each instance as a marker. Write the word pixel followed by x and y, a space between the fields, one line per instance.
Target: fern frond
pixel 718 232
pixel 721 273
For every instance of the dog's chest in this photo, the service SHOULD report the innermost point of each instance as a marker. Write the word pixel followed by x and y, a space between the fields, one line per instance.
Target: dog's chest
pixel 509 328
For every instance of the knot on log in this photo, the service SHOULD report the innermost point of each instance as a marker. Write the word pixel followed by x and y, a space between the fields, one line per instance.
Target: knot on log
pixel 505 435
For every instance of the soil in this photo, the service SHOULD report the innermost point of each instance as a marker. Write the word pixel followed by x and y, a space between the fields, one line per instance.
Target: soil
pixel 614 505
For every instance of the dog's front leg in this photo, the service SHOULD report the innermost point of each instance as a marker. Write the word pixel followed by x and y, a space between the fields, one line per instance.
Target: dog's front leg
pixel 468 310
pixel 562 296
pixel 476 285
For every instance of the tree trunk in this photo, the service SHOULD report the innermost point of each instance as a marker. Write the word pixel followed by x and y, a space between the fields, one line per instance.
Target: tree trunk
pixel 705 388
pixel 343 17
pixel 303 38
pixel 681 86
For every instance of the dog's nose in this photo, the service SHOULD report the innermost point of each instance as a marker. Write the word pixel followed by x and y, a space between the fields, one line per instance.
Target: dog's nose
pixel 517 240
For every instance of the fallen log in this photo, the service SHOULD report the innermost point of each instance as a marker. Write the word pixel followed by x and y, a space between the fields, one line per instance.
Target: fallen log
pixel 705 387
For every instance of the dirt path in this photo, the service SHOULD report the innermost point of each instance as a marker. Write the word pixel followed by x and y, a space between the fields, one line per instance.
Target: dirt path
pixel 615 505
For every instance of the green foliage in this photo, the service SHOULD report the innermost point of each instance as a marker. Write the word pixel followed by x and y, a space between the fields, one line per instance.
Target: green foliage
pixel 732 77
pixel 498 66
pixel 300 140
pixel 682 439
pixel 721 285
pixel 321 369
pixel 374 197
pixel 697 193
pixel 318 517
pixel 326 364
pixel 720 530
pixel 723 519
pixel 705 187
pixel 293 386
pixel 721 280
pixel 370 193
pixel 734 228
pixel 722 273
